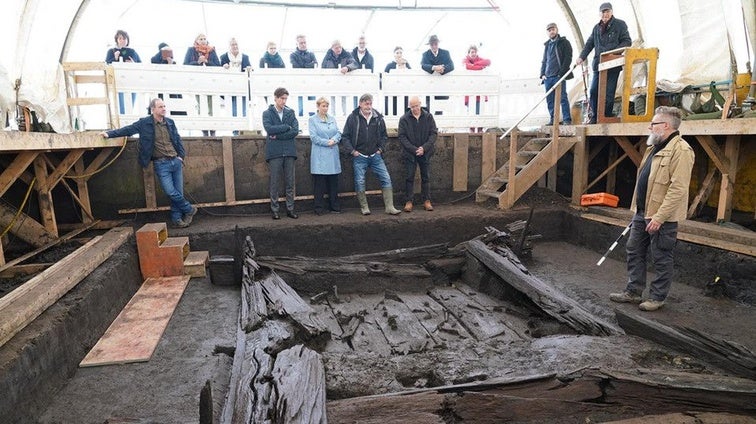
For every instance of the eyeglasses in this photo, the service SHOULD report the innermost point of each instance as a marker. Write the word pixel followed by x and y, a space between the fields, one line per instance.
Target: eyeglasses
pixel 656 123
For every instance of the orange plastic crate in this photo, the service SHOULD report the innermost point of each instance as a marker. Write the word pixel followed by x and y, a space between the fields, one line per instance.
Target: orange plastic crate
pixel 599 199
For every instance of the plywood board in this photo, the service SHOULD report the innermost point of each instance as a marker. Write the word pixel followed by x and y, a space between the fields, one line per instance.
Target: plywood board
pixel 135 333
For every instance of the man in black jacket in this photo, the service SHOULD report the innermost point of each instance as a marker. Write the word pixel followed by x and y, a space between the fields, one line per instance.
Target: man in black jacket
pixel 557 57
pixel 609 34
pixel 282 127
pixel 362 56
pixel 417 134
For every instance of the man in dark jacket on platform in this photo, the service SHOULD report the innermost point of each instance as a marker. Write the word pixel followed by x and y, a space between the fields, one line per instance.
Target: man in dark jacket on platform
pixel 435 60
pixel 338 58
pixel 280 123
pixel 557 57
pixel 159 142
pixel 417 134
pixel 362 56
pixel 609 34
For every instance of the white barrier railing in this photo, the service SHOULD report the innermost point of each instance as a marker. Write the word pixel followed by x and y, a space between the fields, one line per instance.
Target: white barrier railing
pixel 212 98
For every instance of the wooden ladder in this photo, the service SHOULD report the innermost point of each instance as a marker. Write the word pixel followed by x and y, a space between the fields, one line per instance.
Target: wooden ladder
pixel 98 81
pixel 531 162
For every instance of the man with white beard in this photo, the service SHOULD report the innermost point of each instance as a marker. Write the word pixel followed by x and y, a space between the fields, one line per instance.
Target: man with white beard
pixel 660 201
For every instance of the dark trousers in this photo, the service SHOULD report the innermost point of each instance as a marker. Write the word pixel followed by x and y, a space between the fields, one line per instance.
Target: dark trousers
pixel 410 164
pixel 323 184
pixel 282 168
pixel 564 104
pixel 662 244
pixel 612 75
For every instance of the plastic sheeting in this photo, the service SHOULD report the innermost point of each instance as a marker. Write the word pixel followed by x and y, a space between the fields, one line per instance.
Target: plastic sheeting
pixel 694 36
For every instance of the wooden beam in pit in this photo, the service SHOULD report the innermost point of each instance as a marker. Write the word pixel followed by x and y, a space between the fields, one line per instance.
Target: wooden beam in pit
pixel 488 165
pixel 703 193
pixel 461 146
pixel 150 199
pixel 732 153
pixel 15 169
pixel 44 196
pixel 25 227
pixel 579 165
pixel 228 169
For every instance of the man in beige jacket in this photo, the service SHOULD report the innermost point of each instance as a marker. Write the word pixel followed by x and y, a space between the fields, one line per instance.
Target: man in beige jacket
pixel 660 201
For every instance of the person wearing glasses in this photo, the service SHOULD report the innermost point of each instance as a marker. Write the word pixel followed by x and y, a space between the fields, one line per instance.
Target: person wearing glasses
pixel 660 201
pixel 417 135
pixel 609 34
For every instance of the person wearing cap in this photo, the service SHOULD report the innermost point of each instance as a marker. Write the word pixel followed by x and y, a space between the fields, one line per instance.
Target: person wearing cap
pixel 338 58
pixel 609 34
pixel 435 60
pixel 164 55
pixel 557 57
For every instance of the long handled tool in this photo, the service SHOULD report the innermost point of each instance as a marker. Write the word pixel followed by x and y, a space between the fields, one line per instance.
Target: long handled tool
pixel 587 110
pixel 603 258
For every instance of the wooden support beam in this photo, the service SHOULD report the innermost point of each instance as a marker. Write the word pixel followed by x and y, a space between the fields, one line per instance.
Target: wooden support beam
pixel 16 311
pixel 25 227
pixel 83 189
pixel 15 169
pixel 23 270
pixel 62 168
pixel 87 213
pixel 461 146
pixel 707 186
pixel 44 196
pixel 150 199
pixel 514 147
pixel 228 169
pixel 98 160
pixel 608 169
pixel 631 149
pixel 597 148
pixel 732 153
pixel 611 177
pixel 488 165
pixel 715 153
pixel 579 165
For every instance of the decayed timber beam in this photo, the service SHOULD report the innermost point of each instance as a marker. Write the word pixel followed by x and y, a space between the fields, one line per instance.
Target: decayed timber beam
pixel 551 301
pixel 722 353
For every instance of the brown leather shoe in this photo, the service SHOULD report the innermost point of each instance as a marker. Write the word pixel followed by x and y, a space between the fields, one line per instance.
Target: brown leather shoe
pixel 427 205
pixel 408 207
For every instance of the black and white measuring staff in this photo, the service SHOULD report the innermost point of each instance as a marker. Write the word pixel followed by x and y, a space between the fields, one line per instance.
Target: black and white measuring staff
pixel 603 258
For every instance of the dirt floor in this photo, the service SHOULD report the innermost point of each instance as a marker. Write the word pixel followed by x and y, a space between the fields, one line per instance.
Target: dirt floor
pixel 200 337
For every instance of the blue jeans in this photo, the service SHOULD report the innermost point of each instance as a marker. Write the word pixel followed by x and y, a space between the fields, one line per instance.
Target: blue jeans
pixel 282 167
pixel 410 164
pixel 612 75
pixel 171 176
pixel 374 162
pixel 662 244
pixel 564 104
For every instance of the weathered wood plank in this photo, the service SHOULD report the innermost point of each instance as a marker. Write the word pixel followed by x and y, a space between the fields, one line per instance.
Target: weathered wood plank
pixel 421 408
pixel 497 307
pixel 15 169
pixel 228 169
pixel 436 320
pixel 286 302
pixel 401 328
pixel 479 321
pixel 55 242
pixel 732 153
pixel 722 353
pixel 550 300
pixel 299 377
pixel 336 344
pixel 301 265
pixel 460 168
pixel 24 227
pixel 367 337
pixel 405 254
pixel 16 315
pixel 488 155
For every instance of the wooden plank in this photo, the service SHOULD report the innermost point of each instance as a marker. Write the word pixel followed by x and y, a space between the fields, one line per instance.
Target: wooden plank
pixel 228 169
pixel 707 186
pixel 368 337
pixel 482 323
pixel 44 196
pixel 325 314
pixel 508 201
pixel 705 126
pixel 732 153
pixel 459 177
pixel 87 101
pixel 488 153
pixel 715 153
pixel 22 270
pixel 550 300
pixel 135 333
pixel 611 177
pixel 23 310
pixel 2 255
pixel 15 169
pixel 579 165
pixel 63 167
pixel 89 79
pixel 499 308
pixel 83 191
pixel 37 142
pixel 288 303
pixel 299 377
pixel 421 408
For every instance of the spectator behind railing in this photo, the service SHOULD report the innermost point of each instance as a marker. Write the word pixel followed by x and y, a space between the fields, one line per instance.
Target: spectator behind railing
pixel 399 61
pixel 362 56
pixel 435 60
pixel 121 52
pixel 473 62
pixel 337 58
pixel 202 53
pixel 234 59
pixel 271 58
pixel 301 58
pixel 164 55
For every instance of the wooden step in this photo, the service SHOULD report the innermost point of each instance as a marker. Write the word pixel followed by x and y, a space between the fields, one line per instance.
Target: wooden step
pixel 177 242
pixel 150 236
pixel 488 193
pixel 167 260
pixel 195 264
pixel 528 153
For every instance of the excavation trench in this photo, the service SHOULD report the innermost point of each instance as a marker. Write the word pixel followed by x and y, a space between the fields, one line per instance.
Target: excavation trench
pixel 390 330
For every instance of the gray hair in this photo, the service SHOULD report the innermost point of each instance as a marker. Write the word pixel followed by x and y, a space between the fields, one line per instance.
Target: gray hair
pixel 154 101
pixel 367 97
pixel 674 114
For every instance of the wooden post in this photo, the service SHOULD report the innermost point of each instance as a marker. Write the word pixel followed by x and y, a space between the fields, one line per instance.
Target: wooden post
pixel 611 178
pixel 228 169
pixel 149 188
pixel 83 190
pixel 461 146
pixel 488 166
pixel 511 182
pixel 732 151
pixel 579 165
pixel 552 173
pixel 44 196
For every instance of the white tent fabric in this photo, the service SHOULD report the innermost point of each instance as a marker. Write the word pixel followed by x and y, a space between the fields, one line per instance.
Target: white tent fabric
pixel 695 37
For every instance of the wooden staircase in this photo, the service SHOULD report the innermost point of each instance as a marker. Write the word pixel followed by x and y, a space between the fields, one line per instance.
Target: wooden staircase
pixel 531 162
pixel 163 256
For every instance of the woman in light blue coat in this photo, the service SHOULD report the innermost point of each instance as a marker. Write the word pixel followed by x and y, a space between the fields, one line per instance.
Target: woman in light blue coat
pixel 325 166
